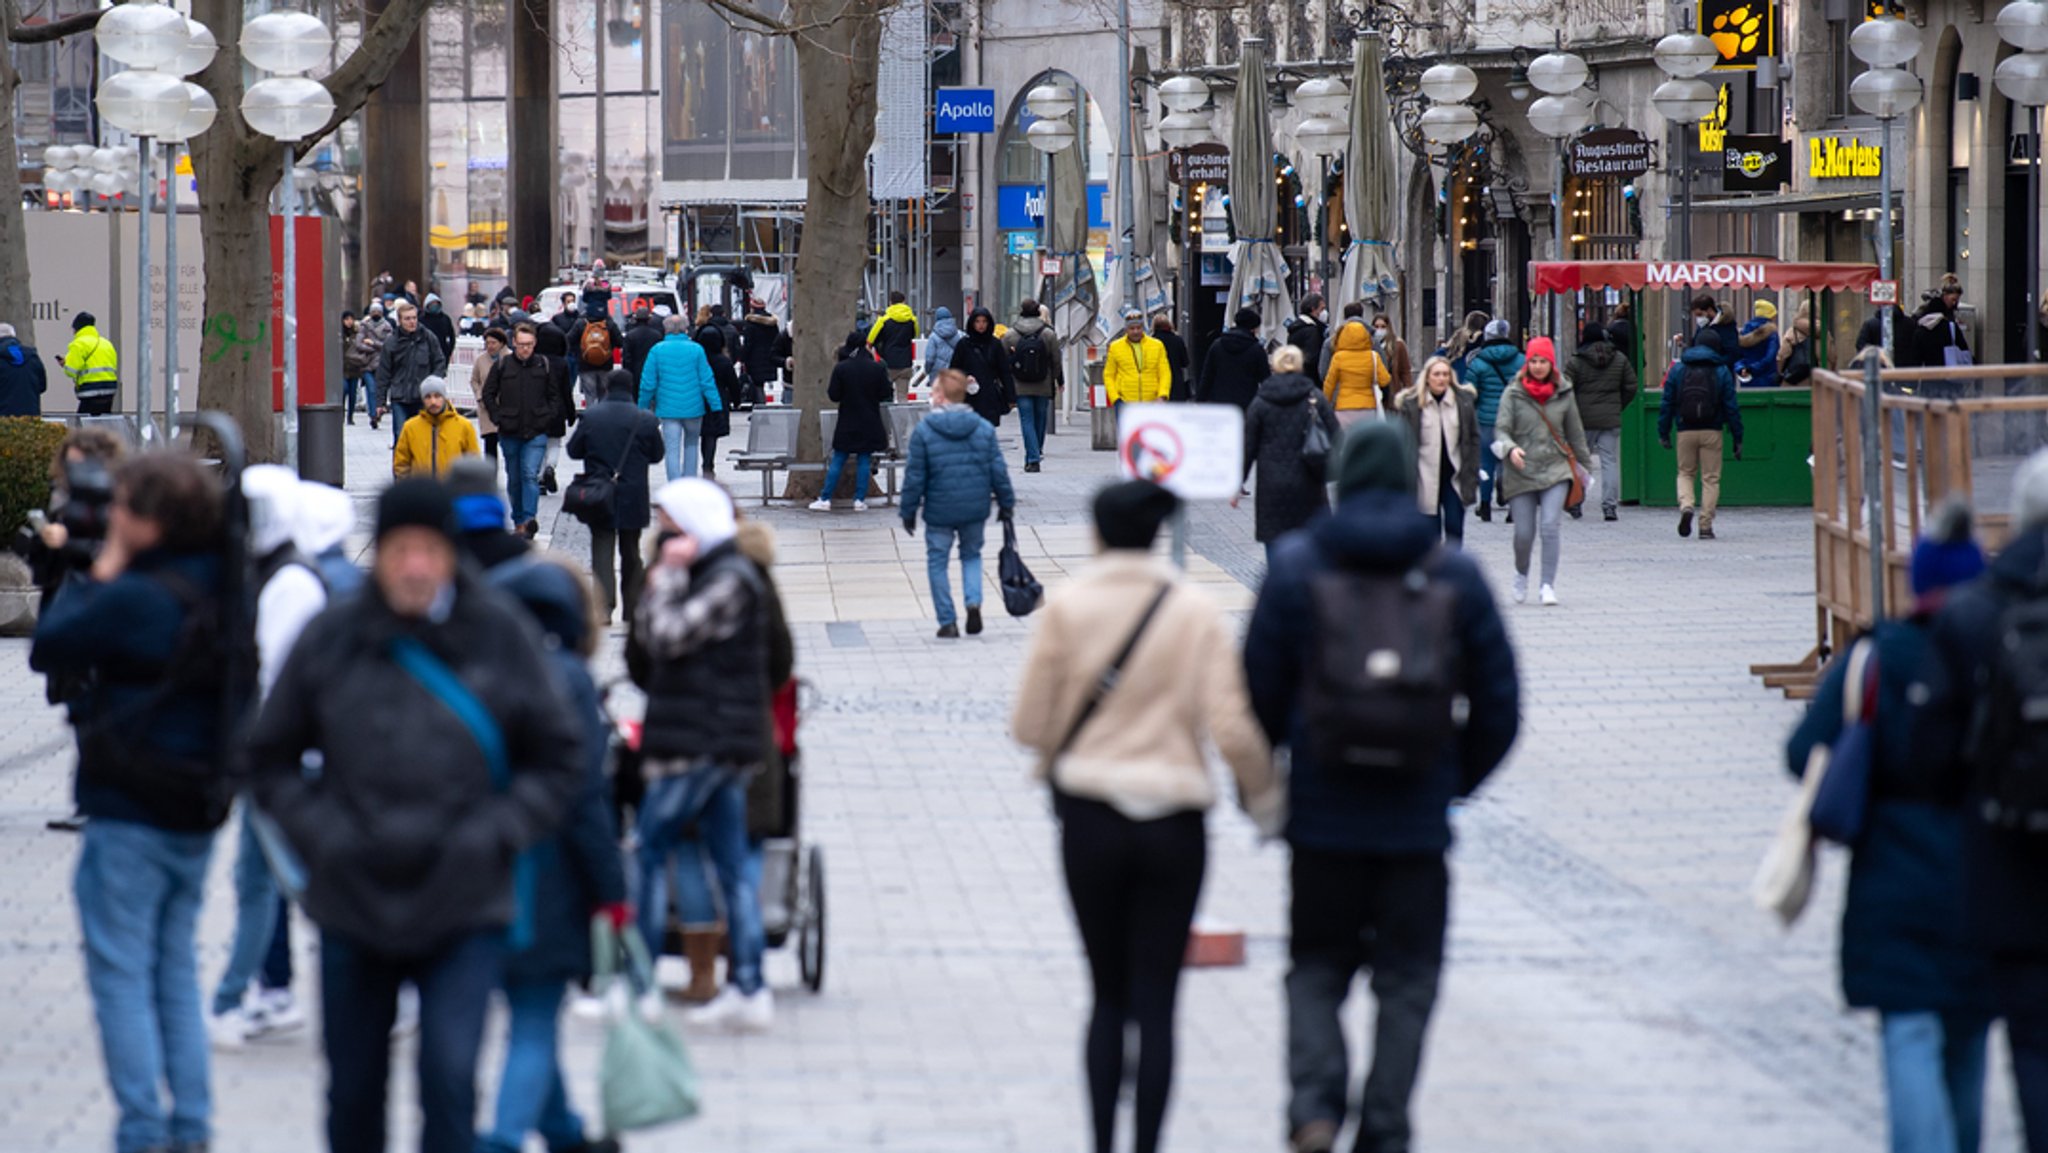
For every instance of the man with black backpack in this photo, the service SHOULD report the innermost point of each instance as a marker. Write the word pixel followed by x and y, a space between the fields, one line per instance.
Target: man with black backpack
pixel 1700 396
pixel 1035 361
pixel 1984 725
pixel 145 631
pixel 1380 660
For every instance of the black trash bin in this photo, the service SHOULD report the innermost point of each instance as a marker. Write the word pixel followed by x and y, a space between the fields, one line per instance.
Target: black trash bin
pixel 320 452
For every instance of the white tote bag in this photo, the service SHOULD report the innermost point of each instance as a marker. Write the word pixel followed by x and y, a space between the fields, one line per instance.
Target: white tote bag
pixel 1784 881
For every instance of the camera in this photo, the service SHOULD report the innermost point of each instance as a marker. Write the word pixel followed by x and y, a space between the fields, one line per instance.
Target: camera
pixel 89 497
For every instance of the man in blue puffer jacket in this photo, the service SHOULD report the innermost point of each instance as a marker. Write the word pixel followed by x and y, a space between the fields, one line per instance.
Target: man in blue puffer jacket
pixel 676 385
pixel 1492 367
pixel 955 469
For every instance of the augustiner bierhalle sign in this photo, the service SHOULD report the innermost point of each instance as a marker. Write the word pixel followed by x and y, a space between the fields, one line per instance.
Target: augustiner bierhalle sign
pixel 1610 154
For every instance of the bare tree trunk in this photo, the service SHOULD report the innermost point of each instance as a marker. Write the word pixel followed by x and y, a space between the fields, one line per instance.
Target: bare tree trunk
pixel 15 297
pixel 838 54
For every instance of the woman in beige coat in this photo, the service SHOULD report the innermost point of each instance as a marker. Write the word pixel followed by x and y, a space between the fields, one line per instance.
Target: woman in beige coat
pixel 1130 781
pixel 495 341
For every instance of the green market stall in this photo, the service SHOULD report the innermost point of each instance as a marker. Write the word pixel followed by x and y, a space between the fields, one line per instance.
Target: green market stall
pixel 1777 423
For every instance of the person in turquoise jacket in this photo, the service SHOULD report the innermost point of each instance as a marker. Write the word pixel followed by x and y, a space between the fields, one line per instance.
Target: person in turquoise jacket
pixel 1491 368
pixel 677 387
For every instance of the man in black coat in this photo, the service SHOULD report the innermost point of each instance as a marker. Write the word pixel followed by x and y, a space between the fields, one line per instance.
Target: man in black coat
pixel 22 378
pixel 618 438
pixel 643 332
pixel 1178 386
pixel 566 319
pixel 522 395
pixel 860 386
pixel 1235 364
pixel 758 339
pixel 1308 330
pixel 447 747
pixel 438 322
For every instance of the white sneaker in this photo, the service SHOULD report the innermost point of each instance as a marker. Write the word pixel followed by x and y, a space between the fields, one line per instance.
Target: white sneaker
pixel 757 1012
pixel 722 1011
pixel 1548 595
pixel 821 506
pixel 231 1030
pixel 860 506
pixel 407 1021
pixel 278 1012
pixel 1521 589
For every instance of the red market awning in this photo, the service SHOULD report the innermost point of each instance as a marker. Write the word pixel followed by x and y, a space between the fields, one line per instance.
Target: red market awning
pixel 1573 275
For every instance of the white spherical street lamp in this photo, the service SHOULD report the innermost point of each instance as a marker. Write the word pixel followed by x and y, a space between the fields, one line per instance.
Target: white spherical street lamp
pixel 1685 101
pixel 198 52
pixel 198 116
pixel 1684 55
pixel 1183 93
pixel 287 107
pixel 1322 96
pixel 142 102
pixel 1322 135
pixel 1050 136
pixel 1446 124
pixel 286 42
pixel 1558 73
pixel 1449 83
pixel 2024 25
pixel 1049 102
pixel 1559 116
pixel 1886 93
pixel 1885 43
pixel 1184 129
pixel 141 34
pixel 2023 78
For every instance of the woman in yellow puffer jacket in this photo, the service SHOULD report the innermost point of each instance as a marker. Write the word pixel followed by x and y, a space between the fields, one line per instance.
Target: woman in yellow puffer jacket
pixel 1356 374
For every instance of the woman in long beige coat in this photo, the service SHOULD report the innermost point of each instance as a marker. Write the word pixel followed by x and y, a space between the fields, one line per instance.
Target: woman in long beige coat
pixel 494 349
pixel 1130 780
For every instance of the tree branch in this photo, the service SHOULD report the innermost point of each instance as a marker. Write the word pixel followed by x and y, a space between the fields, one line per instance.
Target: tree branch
pixel 369 65
pixel 737 13
pixel 54 30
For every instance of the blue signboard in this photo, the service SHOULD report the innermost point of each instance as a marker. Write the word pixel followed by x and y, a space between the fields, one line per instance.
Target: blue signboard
pixel 964 110
pixel 1020 206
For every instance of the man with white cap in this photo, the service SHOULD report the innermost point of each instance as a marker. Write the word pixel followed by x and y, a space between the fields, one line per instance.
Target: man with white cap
pixel 700 650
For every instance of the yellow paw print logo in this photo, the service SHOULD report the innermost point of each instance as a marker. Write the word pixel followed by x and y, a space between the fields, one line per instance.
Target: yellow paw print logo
pixel 1736 31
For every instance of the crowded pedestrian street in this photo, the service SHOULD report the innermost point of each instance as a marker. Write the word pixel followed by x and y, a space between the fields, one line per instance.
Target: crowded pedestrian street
pixel 1609 985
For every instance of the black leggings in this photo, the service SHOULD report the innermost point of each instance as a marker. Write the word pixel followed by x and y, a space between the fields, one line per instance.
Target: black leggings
pixel 1133 885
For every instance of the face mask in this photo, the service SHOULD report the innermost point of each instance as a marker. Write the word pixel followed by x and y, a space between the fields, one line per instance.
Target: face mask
pixel 1699 322
pixel 1324 316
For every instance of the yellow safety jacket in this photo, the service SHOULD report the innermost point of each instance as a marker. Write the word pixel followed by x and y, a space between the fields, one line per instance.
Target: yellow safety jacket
pixel 92 364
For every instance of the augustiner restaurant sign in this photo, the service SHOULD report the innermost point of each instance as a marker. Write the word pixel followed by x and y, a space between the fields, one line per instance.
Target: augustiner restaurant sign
pixel 1842 158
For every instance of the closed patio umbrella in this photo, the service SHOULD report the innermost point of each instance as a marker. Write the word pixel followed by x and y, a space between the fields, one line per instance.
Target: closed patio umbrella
pixel 1368 273
pixel 1074 294
pixel 1258 277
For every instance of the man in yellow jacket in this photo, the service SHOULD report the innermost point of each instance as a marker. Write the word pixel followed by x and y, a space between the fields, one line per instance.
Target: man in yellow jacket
pixel 436 436
pixel 1135 368
pixel 93 366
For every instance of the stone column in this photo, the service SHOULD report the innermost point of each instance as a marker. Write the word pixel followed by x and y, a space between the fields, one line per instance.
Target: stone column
pixel 395 187
pixel 532 153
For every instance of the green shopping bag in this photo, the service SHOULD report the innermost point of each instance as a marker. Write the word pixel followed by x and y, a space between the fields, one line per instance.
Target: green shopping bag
pixel 645 1078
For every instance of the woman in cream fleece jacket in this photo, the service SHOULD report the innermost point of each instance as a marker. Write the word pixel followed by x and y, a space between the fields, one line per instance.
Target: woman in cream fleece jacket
pixel 1131 786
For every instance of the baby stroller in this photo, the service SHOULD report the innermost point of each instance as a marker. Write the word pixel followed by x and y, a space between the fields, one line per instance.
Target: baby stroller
pixel 792 872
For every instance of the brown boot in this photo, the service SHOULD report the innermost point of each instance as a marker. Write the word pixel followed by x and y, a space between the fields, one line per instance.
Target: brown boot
pixel 701 947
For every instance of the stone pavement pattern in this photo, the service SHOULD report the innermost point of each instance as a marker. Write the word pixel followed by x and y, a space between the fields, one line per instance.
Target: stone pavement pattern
pixel 1609 987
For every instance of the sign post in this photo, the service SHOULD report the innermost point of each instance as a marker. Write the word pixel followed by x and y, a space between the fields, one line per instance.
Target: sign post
pixel 1195 451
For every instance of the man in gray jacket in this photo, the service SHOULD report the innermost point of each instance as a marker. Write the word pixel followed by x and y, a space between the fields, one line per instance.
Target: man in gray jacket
pixel 1034 351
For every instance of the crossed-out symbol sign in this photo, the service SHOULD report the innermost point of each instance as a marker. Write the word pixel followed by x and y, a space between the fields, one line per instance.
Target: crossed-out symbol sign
pixel 1153 452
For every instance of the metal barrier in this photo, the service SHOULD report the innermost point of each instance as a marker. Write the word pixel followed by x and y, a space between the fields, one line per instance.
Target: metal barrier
pixel 1948 432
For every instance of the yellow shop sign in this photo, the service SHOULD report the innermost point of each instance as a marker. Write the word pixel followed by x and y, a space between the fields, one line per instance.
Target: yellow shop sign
pixel 1835 158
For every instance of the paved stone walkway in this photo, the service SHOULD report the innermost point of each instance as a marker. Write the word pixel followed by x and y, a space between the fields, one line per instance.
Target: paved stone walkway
pixel 1609 988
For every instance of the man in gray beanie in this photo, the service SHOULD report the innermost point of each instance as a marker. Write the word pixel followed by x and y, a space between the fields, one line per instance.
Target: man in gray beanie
pixel 1365 636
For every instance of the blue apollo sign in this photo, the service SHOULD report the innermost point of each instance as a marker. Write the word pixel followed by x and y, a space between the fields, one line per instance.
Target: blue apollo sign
pixel 1022 206
pixel 964 110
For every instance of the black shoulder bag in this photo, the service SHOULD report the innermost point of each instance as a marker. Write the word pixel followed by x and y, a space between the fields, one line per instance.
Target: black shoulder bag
pixel 593 498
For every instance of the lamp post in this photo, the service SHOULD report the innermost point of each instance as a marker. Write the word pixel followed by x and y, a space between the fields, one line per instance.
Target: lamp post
pixel 1559 114
pixel 1324 134
pixel 1886 91
pixel 288 107
pixel 2023 79
pixel 191 60
pixel 1186 124
pixel 1683 101
pixel 1446 124
pixel 1051 133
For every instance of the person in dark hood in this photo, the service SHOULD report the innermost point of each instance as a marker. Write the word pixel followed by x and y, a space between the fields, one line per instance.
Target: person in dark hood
pixel 438 322
pixel 991 387
pixel 1291 490
pixel 1235 364
pixel 1604 380
pixel 1178 386
pixel 756 349
pixel 726 379
pixel 1370 888
pixel 938 348
pixel 643 332
pixel 1307 331
pixel 22 378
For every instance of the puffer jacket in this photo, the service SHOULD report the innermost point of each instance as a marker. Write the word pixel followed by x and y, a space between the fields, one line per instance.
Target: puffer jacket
pixel 578 870
pixel 1357 373
pixel 430 445
pixel 1136 374
pixel 401 860
pixel 1493 366
pixel 1290 492
pixel 1520 425
pixel 358 350
pixel 894 337
pixel 1232 369
pixel 22 379
pixel 938 348
pixel 1604 381
pixel 955 470
pixel 676 383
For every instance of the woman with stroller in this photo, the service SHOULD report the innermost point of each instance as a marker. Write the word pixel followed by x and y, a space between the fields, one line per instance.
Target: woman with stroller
pixel 1130 780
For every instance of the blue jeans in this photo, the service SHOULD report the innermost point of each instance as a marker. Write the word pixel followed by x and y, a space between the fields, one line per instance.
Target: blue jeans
pixel 1035 412
pixel 370 394
pixel 938 552
pixel 523 458
pixel 1489 464
pixel 1450 514
pixel 277 963
pixel 138 891
pixel 689 815
pixel 679 437
pixel 863 470
pixel 531 1096
pixel 255 919
pixel 1934 1081
pixel 401 411
pixel 359 994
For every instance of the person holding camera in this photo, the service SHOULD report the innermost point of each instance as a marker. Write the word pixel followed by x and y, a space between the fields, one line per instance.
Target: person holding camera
pixel 143 631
